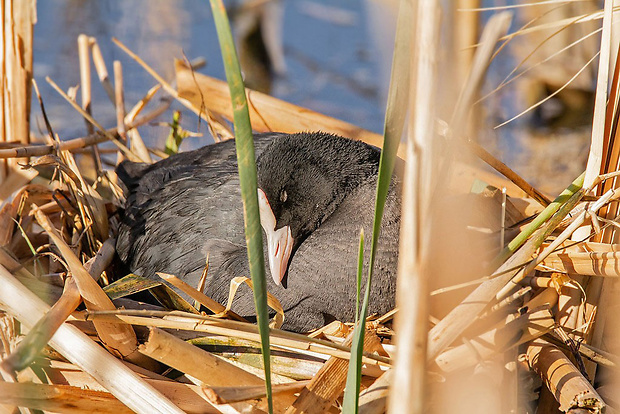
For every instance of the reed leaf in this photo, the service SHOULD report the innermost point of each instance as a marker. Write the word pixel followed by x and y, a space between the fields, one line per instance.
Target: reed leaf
pixel 246 160
pixel 396 111
pixel 354 374
pixel 360 268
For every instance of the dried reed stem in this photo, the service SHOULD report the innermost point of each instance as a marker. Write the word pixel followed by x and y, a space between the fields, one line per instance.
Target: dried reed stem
pixel 236 329
pixel 100 261
pixel 507 172
pixel 208 368
pixel 408 388
pixel 76 143
pixel 327 385
pixel 462 316
pixel 74 345
pixel 102 71
pixel 119 95
pixel 200 297
pixel 563 379
pixel 204 366
pixel 90 119
pixel 86 89
pixel 373 400
pixel 18 18
pixel 504 336
pixel 121 339
pixel 266 113
pixel 61 399
pixel 595 157
pixel 45 328
pixel 227 395
pixel 584 263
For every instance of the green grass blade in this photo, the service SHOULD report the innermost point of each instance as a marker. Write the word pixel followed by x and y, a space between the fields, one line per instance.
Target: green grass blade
pixel 360 268
pixel 542 217
pixel 247 176
pixel 393 130
pixel 354 374
pixel 394 119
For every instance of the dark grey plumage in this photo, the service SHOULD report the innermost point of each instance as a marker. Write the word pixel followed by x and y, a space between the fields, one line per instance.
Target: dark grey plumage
pixel 323 186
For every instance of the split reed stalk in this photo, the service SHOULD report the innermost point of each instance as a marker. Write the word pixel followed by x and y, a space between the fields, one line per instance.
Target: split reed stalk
pixel 18 18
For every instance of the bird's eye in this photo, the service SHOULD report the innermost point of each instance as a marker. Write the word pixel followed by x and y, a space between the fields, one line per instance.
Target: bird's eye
pixel 283 196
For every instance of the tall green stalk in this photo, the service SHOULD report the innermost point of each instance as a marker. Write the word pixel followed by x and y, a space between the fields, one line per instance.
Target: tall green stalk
pixel 246 160
pixel 354 373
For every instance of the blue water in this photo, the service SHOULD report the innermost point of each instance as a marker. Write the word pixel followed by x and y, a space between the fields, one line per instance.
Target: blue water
pixel 324 59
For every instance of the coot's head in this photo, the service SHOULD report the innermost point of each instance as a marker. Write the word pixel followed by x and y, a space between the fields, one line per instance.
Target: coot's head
pixel 302 178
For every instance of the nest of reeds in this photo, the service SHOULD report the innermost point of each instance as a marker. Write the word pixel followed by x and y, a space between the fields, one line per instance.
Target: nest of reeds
pixel 532 331
pixel 58 249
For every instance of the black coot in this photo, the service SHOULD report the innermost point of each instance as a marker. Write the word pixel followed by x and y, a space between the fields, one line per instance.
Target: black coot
pixel 315 193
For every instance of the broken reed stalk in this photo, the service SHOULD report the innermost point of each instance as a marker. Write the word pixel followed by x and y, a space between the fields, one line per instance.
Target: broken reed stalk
pixel 116 95
pixel 288 363
pixel 119 95
pixel 102 71
pixel 135 140
pixel 208 368
pixel 18 18
pixel 85 83
pixel 78 348
pixel 568 385
pixel 584 263
pixel 97 264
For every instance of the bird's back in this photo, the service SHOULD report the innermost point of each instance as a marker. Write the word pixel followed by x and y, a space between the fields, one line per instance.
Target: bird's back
pixel 175 206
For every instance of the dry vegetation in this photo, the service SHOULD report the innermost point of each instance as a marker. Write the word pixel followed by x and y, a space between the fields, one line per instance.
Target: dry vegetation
pixel 539 333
